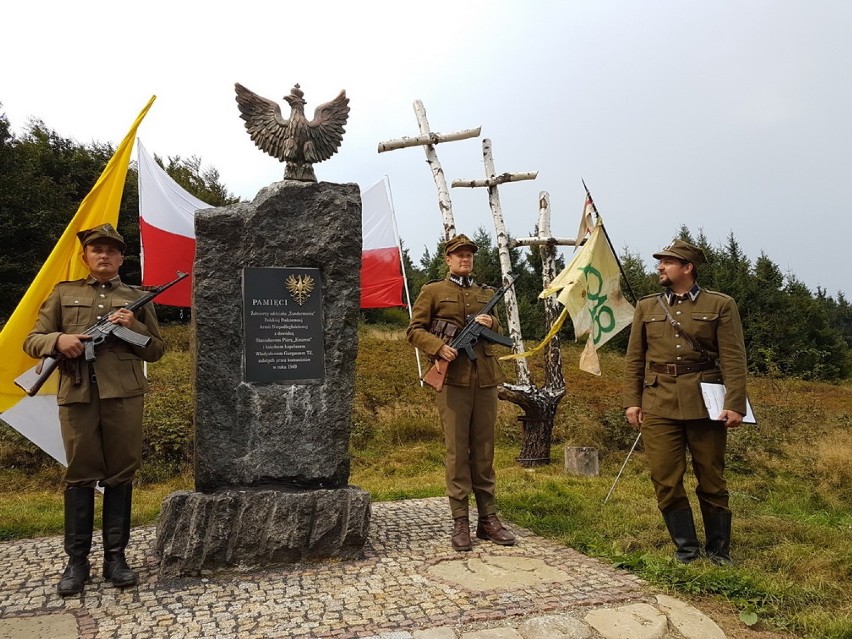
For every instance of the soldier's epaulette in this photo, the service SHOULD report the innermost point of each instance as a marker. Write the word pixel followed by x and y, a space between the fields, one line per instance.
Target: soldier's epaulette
pixel 82 279
pixel 493 288
pixel 712 292
pixel 434 281
pixel 647 297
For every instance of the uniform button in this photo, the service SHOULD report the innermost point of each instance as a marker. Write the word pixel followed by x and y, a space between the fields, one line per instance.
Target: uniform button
pixel 705 317
pixel 102 295
pixel 76 301
pixel 679 358
pixel 103 285
pixel 100 305
pixel 677 334
pixel 677 312
pixel 98 317
pixel 677 345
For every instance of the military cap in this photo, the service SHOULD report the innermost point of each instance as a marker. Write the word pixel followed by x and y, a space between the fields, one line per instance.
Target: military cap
pixel 683 251
pixel 459 241
pixel 102 232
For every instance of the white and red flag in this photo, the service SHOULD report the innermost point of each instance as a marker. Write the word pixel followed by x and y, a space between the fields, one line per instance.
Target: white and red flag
pixel 381 260
pixel 166 229
pixel 167 238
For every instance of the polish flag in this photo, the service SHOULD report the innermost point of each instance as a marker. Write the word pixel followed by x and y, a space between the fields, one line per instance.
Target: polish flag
pixel 381 264
pixel 167 238
pixel 166 230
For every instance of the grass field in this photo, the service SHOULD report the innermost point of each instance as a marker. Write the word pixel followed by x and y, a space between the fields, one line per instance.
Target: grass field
pixel 790 478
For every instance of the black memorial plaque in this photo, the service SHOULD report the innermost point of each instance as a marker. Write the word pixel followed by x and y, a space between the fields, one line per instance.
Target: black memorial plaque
pixel 282 320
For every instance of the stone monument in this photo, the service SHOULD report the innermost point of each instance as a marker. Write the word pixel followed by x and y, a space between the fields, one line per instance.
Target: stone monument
pixel 275 311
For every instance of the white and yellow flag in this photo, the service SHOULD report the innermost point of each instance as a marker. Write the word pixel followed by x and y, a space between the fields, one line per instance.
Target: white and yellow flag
pixel 589 289
pixel 37 418
pixel 586 220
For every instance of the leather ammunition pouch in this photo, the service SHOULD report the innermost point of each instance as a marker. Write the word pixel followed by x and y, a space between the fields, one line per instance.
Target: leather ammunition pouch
pixel 447 331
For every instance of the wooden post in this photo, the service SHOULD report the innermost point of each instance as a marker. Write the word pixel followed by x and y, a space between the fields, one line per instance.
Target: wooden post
pixel 491 182
pixel 428 140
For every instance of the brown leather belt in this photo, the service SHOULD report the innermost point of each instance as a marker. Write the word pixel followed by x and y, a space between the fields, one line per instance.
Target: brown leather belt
pixel 680 369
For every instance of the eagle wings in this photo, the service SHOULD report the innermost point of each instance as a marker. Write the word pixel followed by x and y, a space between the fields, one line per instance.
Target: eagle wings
pixel 298 142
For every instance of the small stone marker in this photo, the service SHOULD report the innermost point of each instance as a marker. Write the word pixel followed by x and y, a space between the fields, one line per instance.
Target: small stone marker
pixel 581 461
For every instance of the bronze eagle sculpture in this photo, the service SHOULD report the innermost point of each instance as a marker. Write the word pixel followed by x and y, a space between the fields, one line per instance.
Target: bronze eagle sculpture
pixel 296 141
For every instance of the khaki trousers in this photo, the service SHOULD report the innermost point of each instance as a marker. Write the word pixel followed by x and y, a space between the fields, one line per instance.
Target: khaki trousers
pixel 666 442
pixel 103 440
pixel 468 414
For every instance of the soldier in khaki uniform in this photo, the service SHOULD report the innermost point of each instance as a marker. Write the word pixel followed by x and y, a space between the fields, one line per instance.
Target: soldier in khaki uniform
pixel 467 403
pixel 100 404
pixel 665 365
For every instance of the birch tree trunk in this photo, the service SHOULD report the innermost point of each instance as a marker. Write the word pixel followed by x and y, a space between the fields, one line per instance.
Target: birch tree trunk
pixel 540 404
pixel 444 203
pixel 523 371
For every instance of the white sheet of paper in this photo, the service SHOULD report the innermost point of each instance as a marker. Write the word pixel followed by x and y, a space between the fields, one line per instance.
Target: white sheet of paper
pixel 714 400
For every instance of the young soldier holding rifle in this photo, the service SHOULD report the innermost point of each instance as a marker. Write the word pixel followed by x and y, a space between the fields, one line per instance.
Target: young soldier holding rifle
pixel 467 400
pixel 100 401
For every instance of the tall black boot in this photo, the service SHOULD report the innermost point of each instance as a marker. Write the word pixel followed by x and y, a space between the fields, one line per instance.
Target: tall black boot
pixel 682 530
pixel 116 532
pixel 79 519
pixel 717 528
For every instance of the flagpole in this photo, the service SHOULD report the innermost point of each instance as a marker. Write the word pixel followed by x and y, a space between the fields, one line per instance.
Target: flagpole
pixel 404 276
pixel 609 241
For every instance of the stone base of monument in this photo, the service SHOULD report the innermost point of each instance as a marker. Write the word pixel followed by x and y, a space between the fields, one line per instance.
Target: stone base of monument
pixel 235 529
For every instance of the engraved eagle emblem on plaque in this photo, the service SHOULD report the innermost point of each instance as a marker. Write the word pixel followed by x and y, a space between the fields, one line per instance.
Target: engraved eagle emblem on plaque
pixel 300 287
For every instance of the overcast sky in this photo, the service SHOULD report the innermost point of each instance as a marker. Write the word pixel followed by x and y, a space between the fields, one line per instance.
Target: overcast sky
pixel 730 116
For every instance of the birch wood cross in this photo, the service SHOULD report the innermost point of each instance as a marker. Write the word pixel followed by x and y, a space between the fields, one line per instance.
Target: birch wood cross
pixel 491 182
pixel 428 140
pixel 546 243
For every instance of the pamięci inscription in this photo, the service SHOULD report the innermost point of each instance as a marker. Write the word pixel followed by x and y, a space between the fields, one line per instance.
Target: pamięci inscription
pixel 282 320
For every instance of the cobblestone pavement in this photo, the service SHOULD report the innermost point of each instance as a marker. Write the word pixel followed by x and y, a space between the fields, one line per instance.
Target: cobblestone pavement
pixel 409 584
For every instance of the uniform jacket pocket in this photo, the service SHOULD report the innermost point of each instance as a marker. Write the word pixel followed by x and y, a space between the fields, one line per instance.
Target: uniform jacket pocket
pixel 654 325
pixel 76 311
pixel 447 306
pixel 131 375
pixel 704 325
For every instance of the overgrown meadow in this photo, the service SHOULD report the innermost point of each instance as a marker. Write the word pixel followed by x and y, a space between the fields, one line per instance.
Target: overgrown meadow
pixel 790 477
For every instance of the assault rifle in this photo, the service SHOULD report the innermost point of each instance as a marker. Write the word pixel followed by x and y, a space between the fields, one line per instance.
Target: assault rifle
pixel 32 380
pixel 468 337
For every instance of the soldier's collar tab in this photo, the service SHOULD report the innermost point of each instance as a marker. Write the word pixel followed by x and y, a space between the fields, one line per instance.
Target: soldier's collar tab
pixel 691 293
pixel 462 280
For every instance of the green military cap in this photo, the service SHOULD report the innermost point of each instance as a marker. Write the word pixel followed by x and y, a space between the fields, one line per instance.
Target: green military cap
pixel 459 241
pixel 102 232
pixel 683 251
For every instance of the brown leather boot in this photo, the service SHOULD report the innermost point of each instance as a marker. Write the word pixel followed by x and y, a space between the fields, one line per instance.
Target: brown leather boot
pixel 461 534
pixel 490 528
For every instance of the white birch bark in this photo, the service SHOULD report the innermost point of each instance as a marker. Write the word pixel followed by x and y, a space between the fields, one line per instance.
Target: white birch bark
pixel 496 180
pixel 432 138
pixel 555 381
pixel 444 203
pixel 538 241
pixel 522 369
